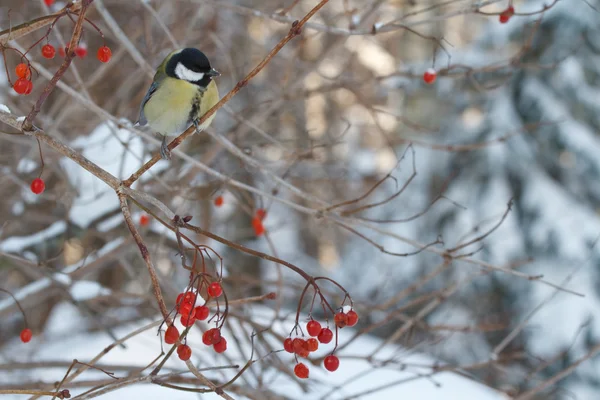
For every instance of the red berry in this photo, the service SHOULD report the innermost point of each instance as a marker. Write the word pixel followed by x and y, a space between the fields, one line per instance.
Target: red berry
pixel 184 352
pixel 26 335
pixel 298 344
pixel 185 309
pixel 206 338
pixel 301 371
pixel 104 54
pixel 219 201
pixel 38 186
pixel 429 76
pixel 62 51
pixel 340 319
pixel 81 51
pixel 325 336
pixel 258 227
pixel 506 14
pixel 352 318
pixel 288 345
pixel 215 289
pixel 144 220
pixel 313 328
pixel 190 298
pixel 331 363
pixel 220 346
pixel 48 51
pixel 187 320
pixel 312 344
pixel 48 2
pixel 201 313
pixel 22 70
pixel 171 335
pixel 261 213
pixel 211 336
pixel 303 353
pixel 22 86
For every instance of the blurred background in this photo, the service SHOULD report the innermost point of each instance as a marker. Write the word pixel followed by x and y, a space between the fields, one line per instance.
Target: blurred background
pixel 466 224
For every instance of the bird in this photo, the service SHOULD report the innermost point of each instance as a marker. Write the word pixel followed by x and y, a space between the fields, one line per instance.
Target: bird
pixel 182 91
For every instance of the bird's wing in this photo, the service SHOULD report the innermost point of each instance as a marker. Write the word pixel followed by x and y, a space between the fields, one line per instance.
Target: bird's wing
pixel 142 118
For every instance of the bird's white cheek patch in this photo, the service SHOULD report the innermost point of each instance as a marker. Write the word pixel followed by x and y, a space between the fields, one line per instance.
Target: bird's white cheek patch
pixel 186 74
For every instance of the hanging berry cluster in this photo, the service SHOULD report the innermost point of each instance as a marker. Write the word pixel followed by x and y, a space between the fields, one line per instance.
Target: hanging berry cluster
pixel 191 307
pixel 301 347
pixel 23 85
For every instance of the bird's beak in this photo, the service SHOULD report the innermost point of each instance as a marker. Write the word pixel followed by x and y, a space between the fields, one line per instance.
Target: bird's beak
pixel 214 72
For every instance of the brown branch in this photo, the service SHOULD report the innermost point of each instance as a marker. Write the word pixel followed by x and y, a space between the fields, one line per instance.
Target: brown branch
pixel 145 255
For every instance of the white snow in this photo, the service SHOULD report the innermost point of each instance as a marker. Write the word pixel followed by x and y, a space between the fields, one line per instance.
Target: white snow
pixel 355 376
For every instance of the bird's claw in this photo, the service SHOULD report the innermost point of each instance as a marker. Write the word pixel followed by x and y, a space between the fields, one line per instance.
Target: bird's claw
pixel 165 153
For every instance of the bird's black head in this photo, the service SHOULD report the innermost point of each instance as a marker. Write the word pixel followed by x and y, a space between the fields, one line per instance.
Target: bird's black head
pixel 191 65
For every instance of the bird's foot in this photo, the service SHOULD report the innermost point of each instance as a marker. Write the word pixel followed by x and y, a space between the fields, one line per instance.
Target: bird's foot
pixel 165 153
pixel 197 125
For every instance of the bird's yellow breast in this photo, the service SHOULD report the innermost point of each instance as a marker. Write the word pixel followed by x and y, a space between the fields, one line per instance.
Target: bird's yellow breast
pixel 168 110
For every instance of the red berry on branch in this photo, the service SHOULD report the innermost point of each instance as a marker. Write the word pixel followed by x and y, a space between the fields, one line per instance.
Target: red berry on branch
pixel 261 213
pixel 312 344
pixel 340 319
pixel 352 318
pixel 313 328
pixel 23 71
pixel 22 86
pixel 48 2
pixel 38 186
pixel 506 14
pixel 258 227
pixel 288 345
pixel 81 51
pixel 104 54
pixel 215 289
pixel 301 371
pixel 187 320
pixel 201 313
pixel 184 352
pixel 429 76
pixel 331 363
pixel 220 346
pixel 62 51
pixel 144 220
pixel 211 336
pixel 219 201
pixel 298 345
pixel 189 298
pixel 186 309
pixel 325 336
pixel 48 51
pixel 171 335
pixel 26 335
pixel 206 338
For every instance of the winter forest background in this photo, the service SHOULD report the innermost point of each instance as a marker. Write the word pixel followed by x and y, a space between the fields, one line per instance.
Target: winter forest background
pixel 462 216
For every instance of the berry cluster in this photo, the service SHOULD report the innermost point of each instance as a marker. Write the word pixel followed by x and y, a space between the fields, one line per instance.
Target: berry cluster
pixel 23 84
pixel 190 313
pixel 302 348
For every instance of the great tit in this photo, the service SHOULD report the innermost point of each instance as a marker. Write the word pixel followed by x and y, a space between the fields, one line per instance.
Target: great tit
pixel 180 94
